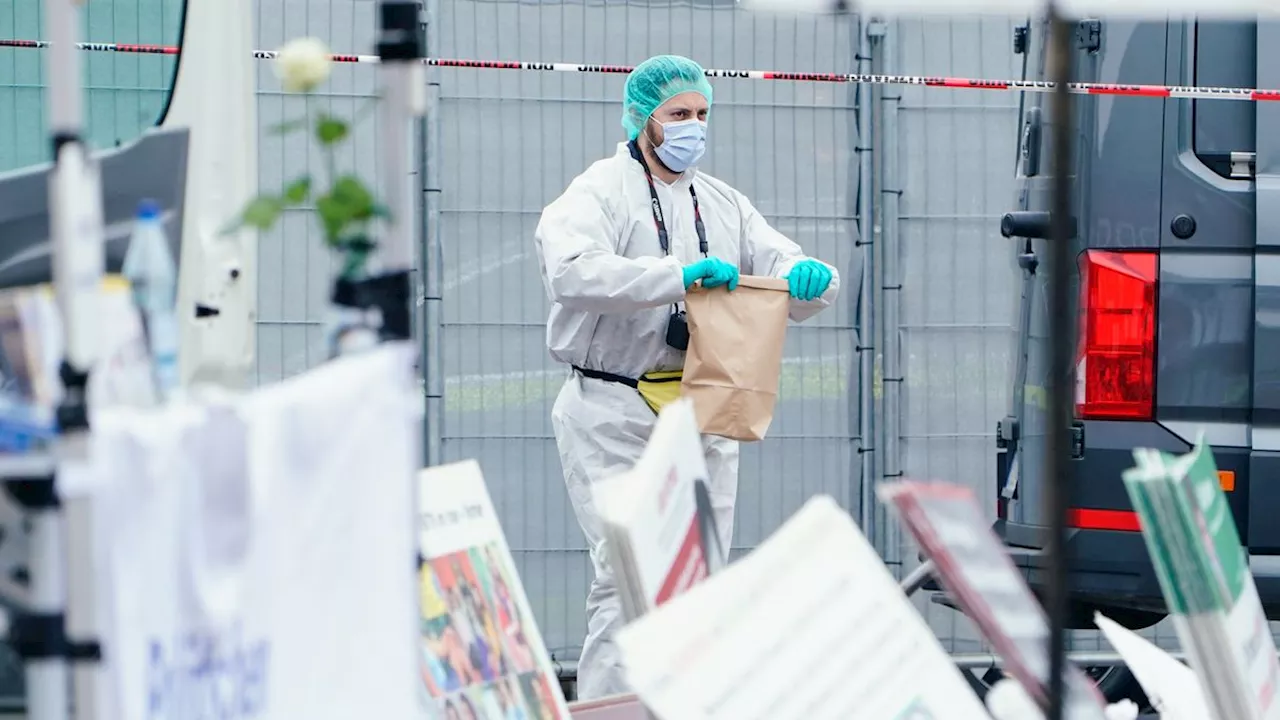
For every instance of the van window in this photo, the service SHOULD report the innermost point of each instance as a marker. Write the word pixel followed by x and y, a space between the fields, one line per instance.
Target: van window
pixel 125 93
pixel 1225 56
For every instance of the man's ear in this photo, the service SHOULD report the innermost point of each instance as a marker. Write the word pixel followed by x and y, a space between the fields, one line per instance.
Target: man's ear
pixel 653 132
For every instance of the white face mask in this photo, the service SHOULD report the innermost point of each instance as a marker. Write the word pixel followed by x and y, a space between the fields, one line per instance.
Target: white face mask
pixel 683 144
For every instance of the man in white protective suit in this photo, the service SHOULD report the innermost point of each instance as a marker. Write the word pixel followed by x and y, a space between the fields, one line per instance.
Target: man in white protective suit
pixel 618 251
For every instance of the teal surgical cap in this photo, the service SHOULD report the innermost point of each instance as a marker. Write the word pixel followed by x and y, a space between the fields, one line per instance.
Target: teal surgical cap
pixel 655 81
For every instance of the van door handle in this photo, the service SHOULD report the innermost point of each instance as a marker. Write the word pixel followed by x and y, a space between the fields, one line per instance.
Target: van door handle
pixel 1030 224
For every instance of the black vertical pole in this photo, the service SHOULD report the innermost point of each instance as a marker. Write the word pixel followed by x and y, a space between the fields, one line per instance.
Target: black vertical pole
pixel 1057 480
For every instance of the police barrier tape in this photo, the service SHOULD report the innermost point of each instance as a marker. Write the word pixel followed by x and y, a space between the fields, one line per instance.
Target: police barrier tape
pixel 1079 88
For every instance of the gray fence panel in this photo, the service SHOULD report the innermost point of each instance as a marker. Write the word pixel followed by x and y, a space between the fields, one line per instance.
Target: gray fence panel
pixel 511 142
pixel 956 163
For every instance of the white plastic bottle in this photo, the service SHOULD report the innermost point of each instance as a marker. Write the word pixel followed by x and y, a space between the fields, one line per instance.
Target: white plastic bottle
pixel 153 276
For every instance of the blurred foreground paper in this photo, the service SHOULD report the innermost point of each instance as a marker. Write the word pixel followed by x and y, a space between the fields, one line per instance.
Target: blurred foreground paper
pixel 1069 8
pixel 809 626
pixel 1171 686
pixel 254 552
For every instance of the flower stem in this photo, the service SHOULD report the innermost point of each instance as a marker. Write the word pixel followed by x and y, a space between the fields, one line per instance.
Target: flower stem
pixel 364 109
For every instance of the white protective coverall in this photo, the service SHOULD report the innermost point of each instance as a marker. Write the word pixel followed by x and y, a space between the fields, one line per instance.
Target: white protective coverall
pixel 612 291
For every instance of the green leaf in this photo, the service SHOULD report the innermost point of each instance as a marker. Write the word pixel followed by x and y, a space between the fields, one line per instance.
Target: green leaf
pixel 346 209
pixel 351 192
pixel 288 126
pixel 298 191
pixel 333 216
pixel 262 212
pixel 330 130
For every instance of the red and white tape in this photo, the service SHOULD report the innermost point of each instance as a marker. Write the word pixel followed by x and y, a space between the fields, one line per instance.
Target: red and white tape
pixel 1175 91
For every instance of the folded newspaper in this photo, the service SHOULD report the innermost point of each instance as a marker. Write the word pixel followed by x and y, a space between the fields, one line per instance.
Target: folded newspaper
pixel 658 523
pixel 1204 573
pixel 244 568
pixel 482 655
pixel 809 626
pixel 977 571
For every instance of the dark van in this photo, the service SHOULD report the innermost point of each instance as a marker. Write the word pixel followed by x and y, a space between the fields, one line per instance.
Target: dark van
pixel 1177 274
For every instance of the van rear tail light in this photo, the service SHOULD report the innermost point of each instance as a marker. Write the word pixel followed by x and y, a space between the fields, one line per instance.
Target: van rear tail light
pixel 1116 357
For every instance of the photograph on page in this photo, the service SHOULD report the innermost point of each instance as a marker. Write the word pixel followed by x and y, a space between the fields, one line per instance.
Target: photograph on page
pixel 480 651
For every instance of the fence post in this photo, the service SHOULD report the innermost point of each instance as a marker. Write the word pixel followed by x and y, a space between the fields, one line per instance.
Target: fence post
pixel 866 296
pixel 890 283
pixel 431 257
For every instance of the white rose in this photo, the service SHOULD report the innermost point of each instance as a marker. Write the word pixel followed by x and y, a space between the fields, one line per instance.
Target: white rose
pixel 303 64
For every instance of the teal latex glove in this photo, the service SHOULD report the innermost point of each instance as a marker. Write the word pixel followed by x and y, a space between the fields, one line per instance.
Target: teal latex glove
pixel 809 279
pixel 713 272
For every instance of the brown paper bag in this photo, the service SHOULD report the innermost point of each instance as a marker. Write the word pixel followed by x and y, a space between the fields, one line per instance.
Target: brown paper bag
pixel 734 360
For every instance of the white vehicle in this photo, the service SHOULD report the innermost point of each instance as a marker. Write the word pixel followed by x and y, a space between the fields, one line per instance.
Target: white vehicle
pixel 71 220
pixel 199 162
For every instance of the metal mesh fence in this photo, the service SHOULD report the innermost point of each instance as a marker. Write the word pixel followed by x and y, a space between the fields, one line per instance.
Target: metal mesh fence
pixel 955 156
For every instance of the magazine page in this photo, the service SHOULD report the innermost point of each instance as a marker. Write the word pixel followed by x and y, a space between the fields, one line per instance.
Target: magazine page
pixel 977 571
pixel 29 356
pixel 481 651
pixel 809 626
pixel 655 509
pixel 31 346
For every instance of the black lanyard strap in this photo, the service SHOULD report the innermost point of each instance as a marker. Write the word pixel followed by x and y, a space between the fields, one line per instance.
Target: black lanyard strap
pixel 663 238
